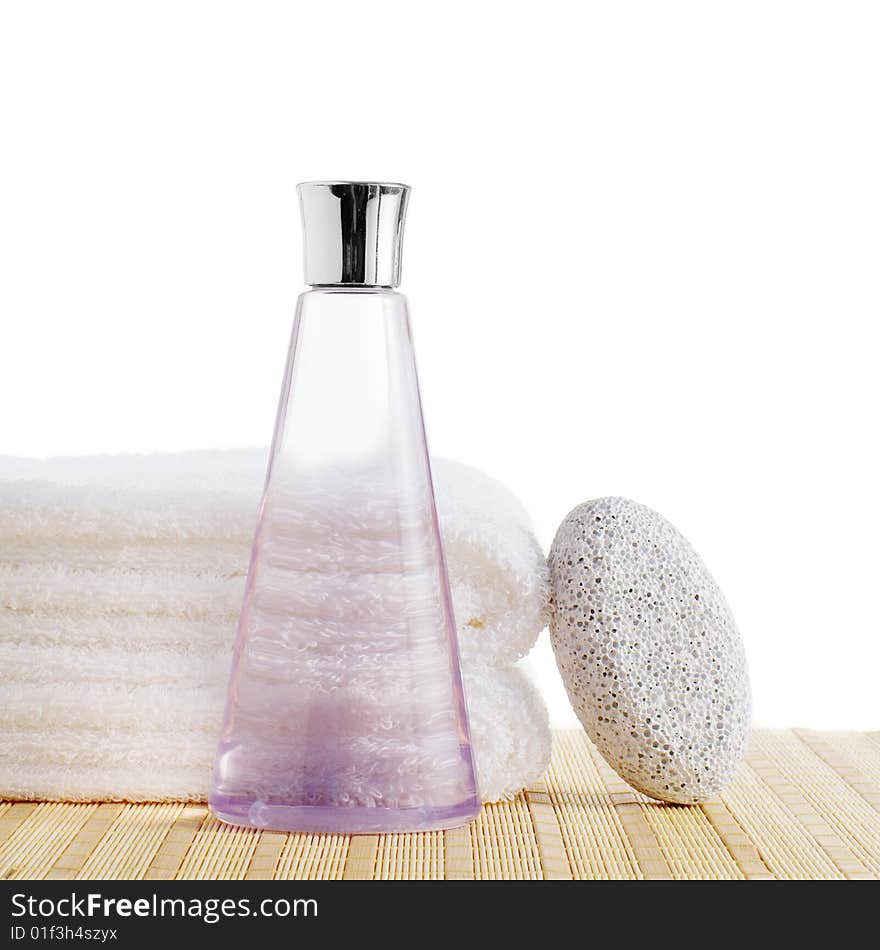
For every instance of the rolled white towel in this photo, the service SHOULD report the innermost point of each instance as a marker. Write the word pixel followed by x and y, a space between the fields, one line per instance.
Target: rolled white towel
pixel 129 528
pixel 115 725
pixel 510 729
pixel 497 570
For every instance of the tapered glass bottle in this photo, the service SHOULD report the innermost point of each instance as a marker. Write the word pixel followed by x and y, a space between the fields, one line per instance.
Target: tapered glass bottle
pixel 345 710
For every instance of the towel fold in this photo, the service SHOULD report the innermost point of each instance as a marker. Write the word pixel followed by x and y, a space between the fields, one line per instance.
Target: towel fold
pixel 121 578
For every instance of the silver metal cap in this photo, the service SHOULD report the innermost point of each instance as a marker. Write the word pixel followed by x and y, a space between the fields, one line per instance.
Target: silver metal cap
pixel 352 232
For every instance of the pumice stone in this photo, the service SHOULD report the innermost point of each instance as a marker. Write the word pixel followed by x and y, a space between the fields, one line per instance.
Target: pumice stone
pixel 648 650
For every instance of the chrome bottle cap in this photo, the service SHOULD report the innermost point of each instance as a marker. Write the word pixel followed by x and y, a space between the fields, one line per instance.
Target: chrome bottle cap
pixel 352 232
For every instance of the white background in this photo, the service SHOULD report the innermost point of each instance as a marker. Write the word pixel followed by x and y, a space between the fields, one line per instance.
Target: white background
pixel 642 256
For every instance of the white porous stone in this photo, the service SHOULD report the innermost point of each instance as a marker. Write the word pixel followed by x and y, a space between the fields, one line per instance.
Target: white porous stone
pixel 649 651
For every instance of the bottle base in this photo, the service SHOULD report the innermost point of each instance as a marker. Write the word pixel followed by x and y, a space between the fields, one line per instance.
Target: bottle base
pixel 338 820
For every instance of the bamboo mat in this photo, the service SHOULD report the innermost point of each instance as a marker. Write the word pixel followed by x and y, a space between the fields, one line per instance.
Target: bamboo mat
pixel 805 805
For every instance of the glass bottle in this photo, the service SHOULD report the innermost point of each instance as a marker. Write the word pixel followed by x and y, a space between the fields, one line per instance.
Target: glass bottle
pixel 345 711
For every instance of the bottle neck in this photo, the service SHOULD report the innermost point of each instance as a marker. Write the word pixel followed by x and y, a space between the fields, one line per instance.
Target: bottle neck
pixel 350 289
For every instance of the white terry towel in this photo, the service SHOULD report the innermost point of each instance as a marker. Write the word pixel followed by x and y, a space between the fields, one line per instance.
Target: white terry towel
pixel 121 578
